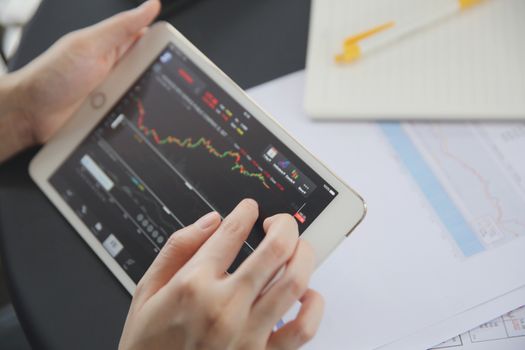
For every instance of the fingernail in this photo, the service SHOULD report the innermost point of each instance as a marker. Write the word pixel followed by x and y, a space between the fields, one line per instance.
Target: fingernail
pixel 251 202
pixel 207 220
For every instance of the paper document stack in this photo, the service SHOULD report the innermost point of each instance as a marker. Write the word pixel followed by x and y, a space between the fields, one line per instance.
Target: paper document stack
pixel 441 250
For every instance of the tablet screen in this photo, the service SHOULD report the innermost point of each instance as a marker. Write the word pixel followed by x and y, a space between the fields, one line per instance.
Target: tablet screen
pixel 175 147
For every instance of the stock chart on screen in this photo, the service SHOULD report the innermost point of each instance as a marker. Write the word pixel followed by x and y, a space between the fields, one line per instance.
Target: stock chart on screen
pixel 175 147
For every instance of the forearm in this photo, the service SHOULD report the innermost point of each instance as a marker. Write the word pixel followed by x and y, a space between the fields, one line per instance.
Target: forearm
pixel 15 129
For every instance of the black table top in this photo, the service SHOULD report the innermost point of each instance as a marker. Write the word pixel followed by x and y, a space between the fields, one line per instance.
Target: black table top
pixel 64 296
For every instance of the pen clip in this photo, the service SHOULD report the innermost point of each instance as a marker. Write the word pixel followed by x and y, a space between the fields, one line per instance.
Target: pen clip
pixel 358 37
pixel 351 49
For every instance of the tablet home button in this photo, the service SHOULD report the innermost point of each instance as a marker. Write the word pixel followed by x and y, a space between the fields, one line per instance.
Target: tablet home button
pixel 98 99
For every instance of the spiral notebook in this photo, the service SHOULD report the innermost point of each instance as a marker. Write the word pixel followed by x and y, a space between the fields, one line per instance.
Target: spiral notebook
pixel 467 66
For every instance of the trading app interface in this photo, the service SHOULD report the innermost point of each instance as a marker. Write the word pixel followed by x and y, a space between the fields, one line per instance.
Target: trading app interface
pixel 175 147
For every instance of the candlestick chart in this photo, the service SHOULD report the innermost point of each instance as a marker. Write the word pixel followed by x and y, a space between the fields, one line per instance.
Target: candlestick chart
pixel 201 142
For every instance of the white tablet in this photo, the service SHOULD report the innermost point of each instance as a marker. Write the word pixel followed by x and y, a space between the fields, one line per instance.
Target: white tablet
pixel 167 138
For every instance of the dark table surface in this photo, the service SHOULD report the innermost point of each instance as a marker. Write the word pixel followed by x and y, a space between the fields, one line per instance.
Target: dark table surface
pixel 64 296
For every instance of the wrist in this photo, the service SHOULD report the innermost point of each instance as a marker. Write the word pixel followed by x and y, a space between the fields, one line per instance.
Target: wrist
pixel 16 133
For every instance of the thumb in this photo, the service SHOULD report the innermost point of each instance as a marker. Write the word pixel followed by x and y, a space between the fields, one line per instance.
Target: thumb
pixel 179 248
pixel 119 29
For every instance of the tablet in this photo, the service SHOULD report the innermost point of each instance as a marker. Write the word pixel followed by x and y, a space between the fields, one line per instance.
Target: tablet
pixel 167 138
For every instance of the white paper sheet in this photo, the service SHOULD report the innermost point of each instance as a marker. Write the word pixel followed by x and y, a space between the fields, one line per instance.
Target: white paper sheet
pixel 503 333
pixel 407 270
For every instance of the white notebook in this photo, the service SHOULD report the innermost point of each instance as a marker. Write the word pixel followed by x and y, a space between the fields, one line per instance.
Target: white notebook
pixel 468 66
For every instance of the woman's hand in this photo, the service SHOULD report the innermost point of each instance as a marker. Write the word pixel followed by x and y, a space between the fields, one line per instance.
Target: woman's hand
pixel 186 301
pixel 38 99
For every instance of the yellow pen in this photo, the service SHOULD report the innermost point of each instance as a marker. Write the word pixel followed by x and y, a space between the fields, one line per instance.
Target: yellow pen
pixel 363 43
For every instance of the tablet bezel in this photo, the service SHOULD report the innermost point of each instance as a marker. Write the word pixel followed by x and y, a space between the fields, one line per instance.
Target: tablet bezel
pixel 336 221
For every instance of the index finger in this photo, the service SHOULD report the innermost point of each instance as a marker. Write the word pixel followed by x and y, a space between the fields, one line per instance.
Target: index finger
pixel 176 252
pixel 223 246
